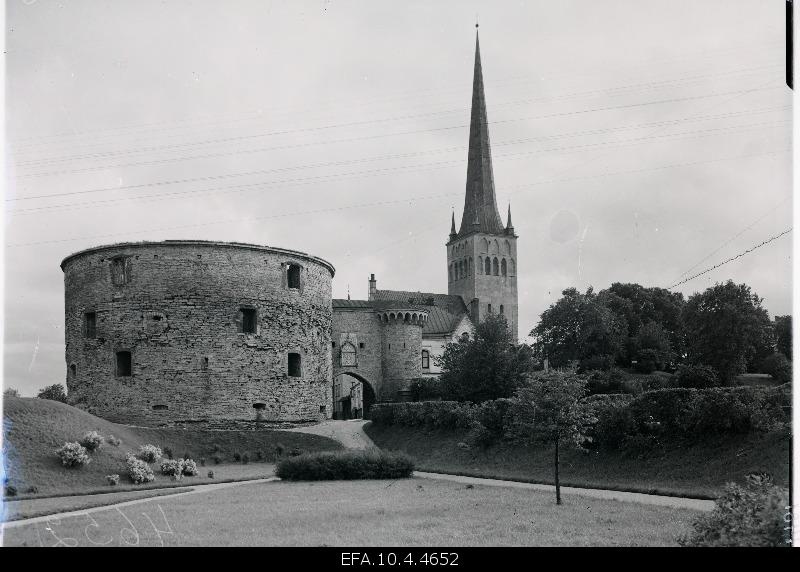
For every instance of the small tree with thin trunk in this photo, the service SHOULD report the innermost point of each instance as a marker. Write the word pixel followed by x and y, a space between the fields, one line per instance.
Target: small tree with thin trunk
pixel 547 410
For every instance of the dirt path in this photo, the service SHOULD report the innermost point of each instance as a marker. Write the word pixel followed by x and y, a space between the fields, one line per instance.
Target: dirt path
pixel 349 433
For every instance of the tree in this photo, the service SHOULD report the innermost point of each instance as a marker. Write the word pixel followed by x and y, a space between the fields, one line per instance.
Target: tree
pixel 578 327
pixel 487 365
pixel 55 392
pixel 783 335
pixel 653 349
pixel 547 409
pixel 10 392
pixel 725 326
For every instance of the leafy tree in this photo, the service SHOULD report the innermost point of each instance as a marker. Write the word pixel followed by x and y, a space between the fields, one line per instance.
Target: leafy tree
pixel 579 327
pixel 725 327
pixel 547 409
pixel 10 392
pixel 778 367
pixel 55 392
pixel 640 306
pixel 783 335
pixel 486 365
pixel 653 349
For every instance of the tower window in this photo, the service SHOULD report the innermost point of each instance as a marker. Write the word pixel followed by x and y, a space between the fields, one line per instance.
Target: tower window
pixel 361 345
pixel 73 370
pixel 248 320
pixel 426 359
pixel 90 322
pixel 488 267
pixel 294 365
pixel 503 268
pixel 470 267
pixel 123 364
pixel 489 308
pixel 333 344
pixel 495 267
pixel 501 308
pixel 120 270
pixel 204 363
pixel 258 406
pixel 293 276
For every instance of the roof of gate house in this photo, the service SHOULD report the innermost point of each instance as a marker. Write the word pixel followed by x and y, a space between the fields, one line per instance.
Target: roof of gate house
pixel 445 311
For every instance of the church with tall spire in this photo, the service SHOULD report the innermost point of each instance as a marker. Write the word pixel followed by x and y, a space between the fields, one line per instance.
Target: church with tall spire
pixel 377 359
pixel 482 254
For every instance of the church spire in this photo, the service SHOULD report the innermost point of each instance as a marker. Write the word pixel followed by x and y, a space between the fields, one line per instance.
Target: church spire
pixel 453 232
pixel 480 205
pixel 509 224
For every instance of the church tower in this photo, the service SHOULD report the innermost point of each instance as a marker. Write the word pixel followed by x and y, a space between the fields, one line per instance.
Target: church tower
pixel 482 254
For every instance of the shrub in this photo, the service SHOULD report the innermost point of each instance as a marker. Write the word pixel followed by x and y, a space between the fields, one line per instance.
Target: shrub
pixel 217 459
pixel 202 461
pixel 646 362
pixel 172 468
pixel 113 480
pixel 439 414
pixel 752 515
pixel 55 392
pixel 189 468
pixel 246 458
pixel 490 422
pixel 167 452
pixel 73 455
pixel 614 421
pixel 423 388
pixel 778 367
pixel 259 455
pixel 696 376
pixel 92 441
pixel 149 453
pixel 636 385
pixel 370 464
pixel 32 490
pixel 605 381
pixel 237 456
pixel 10 491
pixel 601 362
pixel 139 470
pixel 280 449
pixel 295 452
pixel 113 441
pixel 210 474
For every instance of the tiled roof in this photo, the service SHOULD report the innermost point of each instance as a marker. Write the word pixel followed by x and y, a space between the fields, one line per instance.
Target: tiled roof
pixel 445 311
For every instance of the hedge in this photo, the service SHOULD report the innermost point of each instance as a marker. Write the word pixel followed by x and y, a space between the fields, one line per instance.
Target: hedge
pixel 341 465
pixel 440 414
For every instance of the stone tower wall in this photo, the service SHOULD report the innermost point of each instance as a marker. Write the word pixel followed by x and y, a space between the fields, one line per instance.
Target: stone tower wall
pixel 176 307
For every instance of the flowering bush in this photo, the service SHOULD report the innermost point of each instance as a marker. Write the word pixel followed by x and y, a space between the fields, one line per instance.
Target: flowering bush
pixel 139 471
pixel 210 474
pixel 172 468
pixel 113 480
pixel 113 441
pixel 73 455
pixel 92 441
pixel 149 453
pixel 189 467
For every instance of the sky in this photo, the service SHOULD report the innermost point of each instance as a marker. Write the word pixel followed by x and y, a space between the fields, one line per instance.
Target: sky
pixel 635 140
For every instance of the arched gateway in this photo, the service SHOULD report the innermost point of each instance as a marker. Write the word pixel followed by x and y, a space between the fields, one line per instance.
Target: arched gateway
pixel 353 396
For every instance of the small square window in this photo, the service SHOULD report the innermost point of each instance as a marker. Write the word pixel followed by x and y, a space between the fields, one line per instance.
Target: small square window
pixel 361 345
pixel 123 364
pixel 322 409
pixel 295 369
pixel 248 320
pixel 204 363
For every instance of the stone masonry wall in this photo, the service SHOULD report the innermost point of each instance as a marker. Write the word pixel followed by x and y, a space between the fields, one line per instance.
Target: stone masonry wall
pixel 359 326
pixel 402 356
pixel 179 316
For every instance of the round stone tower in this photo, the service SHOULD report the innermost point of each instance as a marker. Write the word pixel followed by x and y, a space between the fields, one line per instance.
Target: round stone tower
pixel 186 331
pixel 401 340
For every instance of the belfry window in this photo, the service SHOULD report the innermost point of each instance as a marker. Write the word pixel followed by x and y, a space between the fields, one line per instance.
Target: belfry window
pixel 426 359
pixel 501 309
pixel 293 276
pixel 123 364
pixel 495 267
pixel 489 308
pixel 488 265
pixel 90 325
pixel 294 365
pixel 503 268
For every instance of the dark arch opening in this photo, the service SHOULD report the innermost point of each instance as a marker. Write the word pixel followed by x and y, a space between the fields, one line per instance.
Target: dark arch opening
pixel 356 399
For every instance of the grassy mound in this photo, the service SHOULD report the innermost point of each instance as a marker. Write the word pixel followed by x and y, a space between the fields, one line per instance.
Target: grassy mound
pixel 34 428
pixel 700 470
pixel 345 465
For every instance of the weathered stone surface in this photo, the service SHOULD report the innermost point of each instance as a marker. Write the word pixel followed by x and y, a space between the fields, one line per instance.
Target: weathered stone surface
pixel 175 306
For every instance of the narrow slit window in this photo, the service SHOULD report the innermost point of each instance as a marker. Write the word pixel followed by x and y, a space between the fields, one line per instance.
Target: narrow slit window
pixel 426 359
pixel 248 320
pixel 294 365
pixel 204 363
pixel 501 309
pixel 489 308
pixel 123 364
pixel 293 276
pixel 160 407
pixel 90 319
pixel 259 406
pixel 73 371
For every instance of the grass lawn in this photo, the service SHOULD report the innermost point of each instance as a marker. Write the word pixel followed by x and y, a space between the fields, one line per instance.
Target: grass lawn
pixel 32 507
pixel 405 512
pixel 35 428
pixel 697 471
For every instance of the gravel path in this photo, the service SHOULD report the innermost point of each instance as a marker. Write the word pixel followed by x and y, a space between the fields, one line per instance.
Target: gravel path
pixel 349 433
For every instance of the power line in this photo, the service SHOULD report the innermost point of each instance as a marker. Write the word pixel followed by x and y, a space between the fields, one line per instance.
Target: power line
pixel 460 126
pixel 731 259
pixel 664 123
